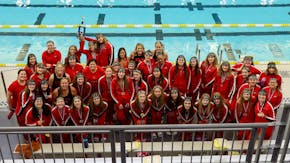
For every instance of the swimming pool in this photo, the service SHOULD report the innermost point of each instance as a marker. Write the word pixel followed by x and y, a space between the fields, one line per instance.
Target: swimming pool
pixel 264 43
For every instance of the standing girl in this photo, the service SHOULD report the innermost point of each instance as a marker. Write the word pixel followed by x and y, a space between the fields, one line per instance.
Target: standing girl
pixel 122 92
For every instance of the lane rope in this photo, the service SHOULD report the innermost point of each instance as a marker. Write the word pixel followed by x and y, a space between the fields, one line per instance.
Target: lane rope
pixel 146 26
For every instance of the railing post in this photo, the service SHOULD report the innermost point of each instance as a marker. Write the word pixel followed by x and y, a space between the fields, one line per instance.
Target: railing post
pixel 122 146
pixel 251 145
pixel 285 119
pixel 4 84
pixel 113 146
pixel 281 132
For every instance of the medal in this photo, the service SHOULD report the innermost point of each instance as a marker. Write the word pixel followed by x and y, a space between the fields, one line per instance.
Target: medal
pixel 81 121
pixel 63 123
pixel 142 115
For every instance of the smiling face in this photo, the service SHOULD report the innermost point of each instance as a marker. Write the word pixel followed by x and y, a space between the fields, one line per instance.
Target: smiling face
pixel 97 100
pixel 77 103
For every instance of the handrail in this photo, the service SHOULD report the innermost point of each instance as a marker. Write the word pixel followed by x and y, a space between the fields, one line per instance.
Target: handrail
pixel 144 25
pixel 105 128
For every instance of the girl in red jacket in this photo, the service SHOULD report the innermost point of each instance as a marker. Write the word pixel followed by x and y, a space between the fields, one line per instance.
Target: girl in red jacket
pixel 271 72
pixel 30 67
pixel 93 72
pixel 139 83
pixel 91 52
pixel 186 115
pixel 79 115
pixel 247 62
pixel 179 76
pixel 60 115
pixel 274 94
pixel 138 54
pixel 264 113
pixel 122 58
pixel 104 87
pixel 220 112
pixel 122 92
pixel 72 67
pixel 84 88
pixel 146 66
pixel 104 50
pixel 174 101
pixel 73 51
pixel 25 102
pixel 140 109
pixel 14 89
pixel 224 81
pixel 163 64
pixel 204 114
pixel 244 112
pixel 157 78
pixel 98 114
pixel 195 81
pixel 209 70
pixel 39 115
pixel 158 99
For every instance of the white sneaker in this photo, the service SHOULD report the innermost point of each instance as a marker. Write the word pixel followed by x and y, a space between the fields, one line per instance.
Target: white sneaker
pixel 154 136
pixel 168 133
pixel 103 139
pixel 160 134
pixel 174 133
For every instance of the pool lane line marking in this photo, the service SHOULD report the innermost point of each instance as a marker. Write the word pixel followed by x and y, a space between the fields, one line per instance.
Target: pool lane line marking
pixel 216 18
pixel 149 25
pixel 197 34
pixel 101 19
pixel 190 6
pixel 39 19
pixel 208 34
pixel 159 34
pixel 150 6
pixel 130 34
pixel 158 19
pixel 199 6
pixel 23 51
pixel 156 6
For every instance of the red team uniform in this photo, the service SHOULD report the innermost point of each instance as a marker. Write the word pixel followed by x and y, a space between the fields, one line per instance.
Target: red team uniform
pixel 31 120
pixel 93 77
pixel 179 80
pixel 207 77
pixel 122 95
pixel 72 71
pixel 269 116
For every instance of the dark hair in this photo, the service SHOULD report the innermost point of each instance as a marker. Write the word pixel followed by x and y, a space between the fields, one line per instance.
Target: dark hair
pixel 196 68
pixel 119 51
pixel 174 103
pixel 46 110
pixel 90 61
pixel 161 78
pixel 20 70
pixel 75 82
pixel 184 66
pixel 28 58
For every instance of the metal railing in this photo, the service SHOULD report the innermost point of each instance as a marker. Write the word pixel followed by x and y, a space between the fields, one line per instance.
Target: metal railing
pixel 217 143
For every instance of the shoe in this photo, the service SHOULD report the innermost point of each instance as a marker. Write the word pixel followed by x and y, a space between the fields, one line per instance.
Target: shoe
pixel 160 134
pixel 103 139
pixel 96 139
pixel 154 136
pixel 168 133
pixel 174 133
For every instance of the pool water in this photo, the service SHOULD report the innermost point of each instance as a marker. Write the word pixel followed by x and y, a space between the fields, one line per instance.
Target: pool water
pixel 255 41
